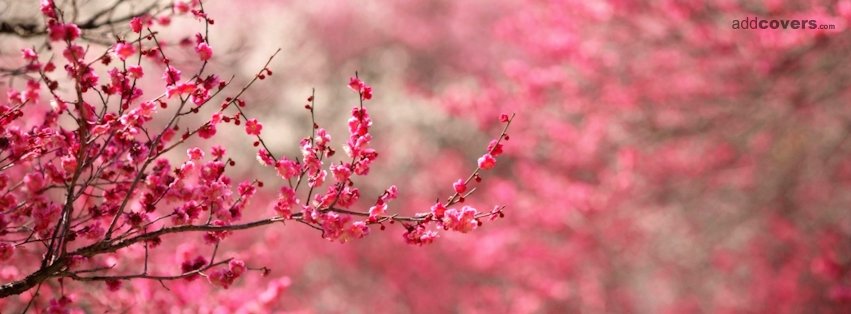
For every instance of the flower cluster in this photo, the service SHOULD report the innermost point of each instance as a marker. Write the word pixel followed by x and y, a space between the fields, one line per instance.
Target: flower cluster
pixel 331 211
pixel 224 277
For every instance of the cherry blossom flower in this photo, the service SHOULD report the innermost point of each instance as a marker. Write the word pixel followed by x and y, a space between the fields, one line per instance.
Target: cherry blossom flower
pixel 135 71
pixel 462 220
pixel 123 50
pixel 195 153
pixel 171 75
pixel 181 88
pixel 460 186
pixel 59 31
pixel 136 24
pixel 438 210
pixel 341 172
pixel 487 161
pixel 205 52
pixel 377 210
pixel 252 127
pixel 47 8
pixel 181 6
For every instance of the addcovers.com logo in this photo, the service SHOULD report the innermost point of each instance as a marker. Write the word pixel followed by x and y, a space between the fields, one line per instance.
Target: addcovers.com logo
pixel 800 24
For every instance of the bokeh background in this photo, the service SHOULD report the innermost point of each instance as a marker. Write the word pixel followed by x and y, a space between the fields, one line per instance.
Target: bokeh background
pixel 660 162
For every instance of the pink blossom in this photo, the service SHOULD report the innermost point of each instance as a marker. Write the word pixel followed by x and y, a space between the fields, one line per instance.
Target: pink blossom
pixel 252 127
pixel 317 179
pixel 322 137
pixel 341 172
pixel 285 202
pixel 58 31
pixel 69 164
pixel 205 52
pixel 487 161
pixel 123 50
pixel 495 148
pixel 246 189
pixel 187 169
pixel 438 210
pixel 358 230
pixel 60 305
pixel 135 71
pixel 214 237
pixel 222 278
pixel 287 168
pixel 195 153
pixel 216 118
pixel 218 151
pixel 190 265
pixel 391 193
pixel 186 213
pixel 171 75
pixel 136 219
pixel 47 8
pixel 207 131
pixel 74 54
pixel 43 215
pixel 34 181
pixel 265 158
pixel 356 84
pixel 181 88
pixel 460 186
pixel 461 220
pixel 236 266
pixel 348 196
pixel 212 81
pixel 164 20
pixel 367 92
pixel 181 6
pixel 136 24
pixel 361 88
pixel 377 211
pixel 418 235
pixel 29 55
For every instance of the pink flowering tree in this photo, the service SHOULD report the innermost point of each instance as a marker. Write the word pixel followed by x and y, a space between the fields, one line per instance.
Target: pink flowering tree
pixel 103 175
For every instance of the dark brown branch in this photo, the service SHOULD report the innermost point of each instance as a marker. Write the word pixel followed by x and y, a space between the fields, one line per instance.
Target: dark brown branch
pixel 57 268
pixel 76 276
